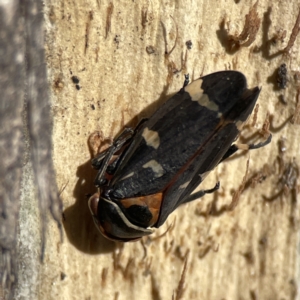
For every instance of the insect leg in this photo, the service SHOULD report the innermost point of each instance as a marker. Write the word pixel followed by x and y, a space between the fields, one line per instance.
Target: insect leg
pixel 115 164
pixel 201 193
pixel 262 144
pixel 230 151
pixel 101 162
pixel 186 80
pixel 97 161
pixel 235 147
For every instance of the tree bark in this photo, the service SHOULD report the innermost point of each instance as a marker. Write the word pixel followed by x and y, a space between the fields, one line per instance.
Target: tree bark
pixel 108 65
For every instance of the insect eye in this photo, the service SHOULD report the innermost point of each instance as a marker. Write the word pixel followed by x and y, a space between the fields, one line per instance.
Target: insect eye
pixel 139 214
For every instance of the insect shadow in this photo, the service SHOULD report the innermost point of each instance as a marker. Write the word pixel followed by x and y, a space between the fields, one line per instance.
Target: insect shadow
pixel 78 224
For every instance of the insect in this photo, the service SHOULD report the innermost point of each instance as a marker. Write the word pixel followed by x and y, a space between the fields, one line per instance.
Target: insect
pixel 162 161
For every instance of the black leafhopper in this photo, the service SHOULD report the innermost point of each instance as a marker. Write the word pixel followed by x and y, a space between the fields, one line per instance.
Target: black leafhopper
pixel 161 162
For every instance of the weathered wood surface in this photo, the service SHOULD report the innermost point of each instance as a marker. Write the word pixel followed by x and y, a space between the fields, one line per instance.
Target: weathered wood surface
pixel 117 51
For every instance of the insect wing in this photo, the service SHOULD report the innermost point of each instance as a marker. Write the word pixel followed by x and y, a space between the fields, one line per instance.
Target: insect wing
pixel 172 148
pixel 207 157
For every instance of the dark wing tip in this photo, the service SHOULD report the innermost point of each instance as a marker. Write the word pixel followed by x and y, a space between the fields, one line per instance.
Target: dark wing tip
pixel 228 89
pixel 224 88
